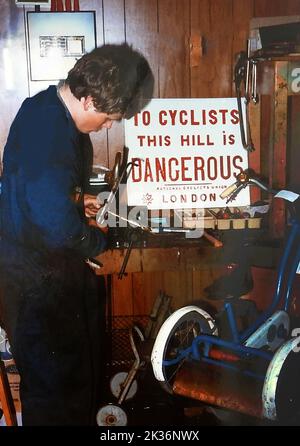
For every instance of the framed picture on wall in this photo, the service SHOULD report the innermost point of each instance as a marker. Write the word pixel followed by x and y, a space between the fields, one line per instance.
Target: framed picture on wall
pixel 56 40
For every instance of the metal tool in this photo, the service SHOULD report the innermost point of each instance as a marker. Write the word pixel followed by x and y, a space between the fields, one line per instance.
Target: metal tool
pixel 113 178
pixel 125 261
pixel 131 222
pixel 133 237
pixel 245 73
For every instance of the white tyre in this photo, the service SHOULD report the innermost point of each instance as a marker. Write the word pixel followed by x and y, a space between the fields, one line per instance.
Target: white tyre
pixel 116 385
pixel 177 333
pixel 281 390
pixel 111 415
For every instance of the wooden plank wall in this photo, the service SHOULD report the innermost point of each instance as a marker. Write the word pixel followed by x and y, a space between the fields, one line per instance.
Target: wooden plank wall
pixel 191 46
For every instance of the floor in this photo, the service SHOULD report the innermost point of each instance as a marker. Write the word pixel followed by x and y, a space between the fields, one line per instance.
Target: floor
pixel 153 407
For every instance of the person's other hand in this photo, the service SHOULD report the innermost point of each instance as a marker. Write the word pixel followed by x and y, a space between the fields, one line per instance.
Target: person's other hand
pixel 91 205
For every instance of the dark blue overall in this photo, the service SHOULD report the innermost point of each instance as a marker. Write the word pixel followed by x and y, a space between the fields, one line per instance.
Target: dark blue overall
pixel 50 299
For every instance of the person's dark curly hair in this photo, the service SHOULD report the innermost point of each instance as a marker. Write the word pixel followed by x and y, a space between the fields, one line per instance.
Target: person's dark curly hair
pixel 118 78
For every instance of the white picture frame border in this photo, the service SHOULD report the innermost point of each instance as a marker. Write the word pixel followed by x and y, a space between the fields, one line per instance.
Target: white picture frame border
pixel 57 25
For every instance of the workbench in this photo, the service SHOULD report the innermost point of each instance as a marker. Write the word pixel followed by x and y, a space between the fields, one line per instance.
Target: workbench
pixel 185 255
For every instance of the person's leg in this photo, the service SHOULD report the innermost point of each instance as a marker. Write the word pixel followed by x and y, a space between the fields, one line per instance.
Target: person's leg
pixel 55 351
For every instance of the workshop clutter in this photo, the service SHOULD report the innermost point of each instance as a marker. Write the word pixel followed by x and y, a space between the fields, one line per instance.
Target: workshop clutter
pixel 236 219
pixel 121 352
pixel 243 217
pixel 119 329
pixel 5 351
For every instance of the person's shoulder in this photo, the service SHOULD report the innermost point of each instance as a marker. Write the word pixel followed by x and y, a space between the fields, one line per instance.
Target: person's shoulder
pixel 44 101
pixel 41 109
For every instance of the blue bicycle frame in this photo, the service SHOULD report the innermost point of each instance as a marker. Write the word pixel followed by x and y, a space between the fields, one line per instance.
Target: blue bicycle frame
pixel 285 278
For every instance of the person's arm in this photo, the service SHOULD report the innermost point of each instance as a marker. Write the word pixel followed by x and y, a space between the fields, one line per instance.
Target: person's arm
pixel 49 169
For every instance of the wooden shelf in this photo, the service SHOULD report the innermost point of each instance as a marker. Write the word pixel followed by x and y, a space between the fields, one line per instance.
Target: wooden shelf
pixel 180 258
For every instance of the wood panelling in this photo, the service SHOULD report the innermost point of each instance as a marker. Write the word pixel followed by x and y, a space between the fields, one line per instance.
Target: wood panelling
pixel 122 295
pixel 294 138
pixel 213 19
pixel 142 32
pixel 162 30
pixel 242 13
pixel 99 140
pixel 265 8
pixel 113 32
pixel 147 286
pixel 201 83
pixel 174 31
pixel 114 21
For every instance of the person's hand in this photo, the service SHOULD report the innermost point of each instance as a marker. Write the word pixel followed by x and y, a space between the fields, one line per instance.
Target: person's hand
pixel 91 205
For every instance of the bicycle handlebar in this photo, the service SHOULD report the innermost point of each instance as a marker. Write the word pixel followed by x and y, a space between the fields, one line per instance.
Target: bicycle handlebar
pixel 244 179
pixel 229 190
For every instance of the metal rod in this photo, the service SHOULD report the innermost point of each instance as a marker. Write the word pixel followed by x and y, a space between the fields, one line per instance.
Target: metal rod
pixel 132 222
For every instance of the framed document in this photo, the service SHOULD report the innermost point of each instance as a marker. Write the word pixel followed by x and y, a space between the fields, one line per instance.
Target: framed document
pixel 56 40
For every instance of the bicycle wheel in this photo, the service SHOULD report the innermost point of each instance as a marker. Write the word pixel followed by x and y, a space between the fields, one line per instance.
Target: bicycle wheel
pixel 175 335
pixel 117 384
pixel 281 393
pixel 111 415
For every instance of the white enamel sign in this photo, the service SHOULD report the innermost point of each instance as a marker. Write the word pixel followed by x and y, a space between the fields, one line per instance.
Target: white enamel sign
pixel 185 152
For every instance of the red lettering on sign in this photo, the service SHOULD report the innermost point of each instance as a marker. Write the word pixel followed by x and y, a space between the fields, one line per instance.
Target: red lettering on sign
pixel 160 167
pixel 176 176
pixel 185 168
pixel 235 116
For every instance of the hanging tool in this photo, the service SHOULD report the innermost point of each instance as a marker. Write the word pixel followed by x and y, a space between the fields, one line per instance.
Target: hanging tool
pixel 244 73
pixel 132 238
pixel 113 178
pixel 213 240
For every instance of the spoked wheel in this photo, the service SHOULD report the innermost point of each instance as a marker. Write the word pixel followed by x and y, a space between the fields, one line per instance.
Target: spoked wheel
pixel 175 335
pixel 281 392
pixel 117 385
pixel 111 415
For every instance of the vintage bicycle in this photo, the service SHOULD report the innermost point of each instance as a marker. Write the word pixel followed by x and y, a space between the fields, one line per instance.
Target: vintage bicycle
pixel 256 370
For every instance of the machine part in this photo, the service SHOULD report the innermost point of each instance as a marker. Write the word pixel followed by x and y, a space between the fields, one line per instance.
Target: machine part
pixel 272 333
pixel 244 73
pixel 125 261
pixel 133 238
pixel 245 178
pixel 164 312
pixel 93 263
pixel 219 386
pixel 281 394
pixel 111 415
pixel 136 365
pixel 175 335
pixel 254 95
pixel 131 222
pixel 113 178
pixel 117 384
pixel 154 314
